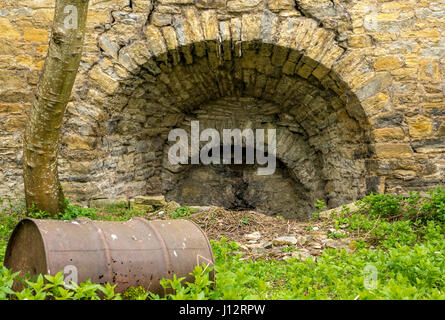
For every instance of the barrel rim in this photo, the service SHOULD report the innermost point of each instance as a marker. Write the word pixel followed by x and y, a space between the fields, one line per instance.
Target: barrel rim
pixel 20 225
pixel 209 245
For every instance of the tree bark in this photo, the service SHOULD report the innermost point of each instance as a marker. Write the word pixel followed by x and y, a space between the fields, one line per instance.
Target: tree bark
pixel 42 133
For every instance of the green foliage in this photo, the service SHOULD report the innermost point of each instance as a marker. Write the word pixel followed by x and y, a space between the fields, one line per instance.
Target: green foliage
pixel 53 287
pixel 401 238
pixel 133 293
pixel 412 207
pixel 6 282
pixel 10 215
pixel 120 212
pixel 337 235
pixel 181 212
pixel 38 214
pixel 71 212
pixel 403 272
pixel 320 205
pixel 434 207
pixel 244 221
pixel 384 205
pixel 199 289
pixel 74 212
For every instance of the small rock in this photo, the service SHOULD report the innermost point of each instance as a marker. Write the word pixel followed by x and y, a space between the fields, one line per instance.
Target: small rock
pixel 202 208
pixel 327 214
pixel 142 207
pixel 336 232
pixel 330 243
pixel 345 242
pixel 302 240
pixel 315 245
pixel 267 245
pixel 155 201
pixel 337 244
pixel 321 237
pixel 253 236
pixel 302 255
pixel 315 228
pixel 315 253
pixel 254 246
pixel 171 206
pixel 283 241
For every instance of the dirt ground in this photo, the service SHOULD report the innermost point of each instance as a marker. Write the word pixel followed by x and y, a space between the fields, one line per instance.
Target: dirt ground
pixel 265 237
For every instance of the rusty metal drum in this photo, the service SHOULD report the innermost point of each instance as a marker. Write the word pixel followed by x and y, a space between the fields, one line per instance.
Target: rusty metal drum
pixel 134 253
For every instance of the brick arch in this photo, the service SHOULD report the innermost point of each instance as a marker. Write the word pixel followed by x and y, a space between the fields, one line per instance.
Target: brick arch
pixel 315 49
pixel 314 52
pixel 175 71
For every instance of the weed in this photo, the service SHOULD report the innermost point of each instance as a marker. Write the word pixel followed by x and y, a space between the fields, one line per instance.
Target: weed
pixel 320 205
pixel 244 221
pixel 181 212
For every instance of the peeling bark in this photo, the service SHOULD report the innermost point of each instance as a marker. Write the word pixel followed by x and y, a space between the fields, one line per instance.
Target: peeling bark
pixel 42 134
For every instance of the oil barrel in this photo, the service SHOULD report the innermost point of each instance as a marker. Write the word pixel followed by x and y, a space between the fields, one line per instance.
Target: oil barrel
pixel 133 253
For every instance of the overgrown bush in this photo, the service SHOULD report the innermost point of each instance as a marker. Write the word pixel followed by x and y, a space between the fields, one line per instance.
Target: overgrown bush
pixel 414 207
pixel 403 272
pixel 52 288
pixel 433 208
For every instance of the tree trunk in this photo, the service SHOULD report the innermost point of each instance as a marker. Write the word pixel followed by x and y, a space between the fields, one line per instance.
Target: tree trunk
pixel 42 135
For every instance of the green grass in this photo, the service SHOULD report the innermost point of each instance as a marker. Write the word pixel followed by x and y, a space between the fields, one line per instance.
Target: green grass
pixel 398 254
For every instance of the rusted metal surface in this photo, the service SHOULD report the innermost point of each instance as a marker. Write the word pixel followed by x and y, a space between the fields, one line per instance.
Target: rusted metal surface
pixel 137 252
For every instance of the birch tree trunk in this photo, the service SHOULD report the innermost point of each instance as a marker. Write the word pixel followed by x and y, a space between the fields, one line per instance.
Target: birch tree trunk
pixel 42 134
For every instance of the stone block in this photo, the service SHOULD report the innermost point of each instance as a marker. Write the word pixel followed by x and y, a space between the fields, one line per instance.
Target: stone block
pixel 211 4
pixel 106 82
pixel 387 63
pixel 392 133
pixel 243 5
pixel 155 201
pixel 393 151
pixel 420 127
pixel 107 203
pixel 277 5
pixel 8 30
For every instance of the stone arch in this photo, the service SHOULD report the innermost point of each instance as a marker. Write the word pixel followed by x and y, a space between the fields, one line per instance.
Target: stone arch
pixel 318 92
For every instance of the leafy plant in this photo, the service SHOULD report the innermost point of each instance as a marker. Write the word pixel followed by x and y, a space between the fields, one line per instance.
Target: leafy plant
pixel 402 238
pixel 138 293
pixel 74 212
pixel 385 205
pixel 180 213
pixel 320 205
pixel 434 207
pixel 244 221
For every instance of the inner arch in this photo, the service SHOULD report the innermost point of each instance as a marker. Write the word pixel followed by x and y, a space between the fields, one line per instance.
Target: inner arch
pixel 322 133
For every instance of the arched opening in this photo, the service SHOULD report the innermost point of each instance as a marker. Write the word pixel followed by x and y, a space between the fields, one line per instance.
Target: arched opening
pixel 322 133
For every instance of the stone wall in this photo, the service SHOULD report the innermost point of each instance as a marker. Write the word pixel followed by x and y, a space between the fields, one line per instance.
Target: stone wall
pixel 357 86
